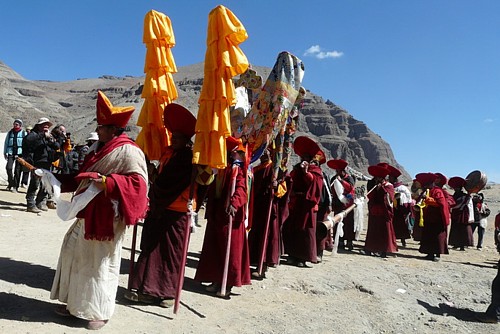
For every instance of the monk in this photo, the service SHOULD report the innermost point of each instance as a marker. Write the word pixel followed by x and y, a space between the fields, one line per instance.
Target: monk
pixel 156 274
pixel 88 271
pixel 402 206
pixel 436 219
pixel 380 237
pixel 342 198
pixel 461 216
pixel 222 203
pixel 299 230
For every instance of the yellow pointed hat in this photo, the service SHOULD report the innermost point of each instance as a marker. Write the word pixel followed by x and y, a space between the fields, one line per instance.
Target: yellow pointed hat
pixel 107 114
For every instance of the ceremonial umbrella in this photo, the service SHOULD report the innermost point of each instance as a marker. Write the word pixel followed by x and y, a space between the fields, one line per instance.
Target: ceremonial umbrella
pixel 223 60
pixel 271 110
pixel 159 87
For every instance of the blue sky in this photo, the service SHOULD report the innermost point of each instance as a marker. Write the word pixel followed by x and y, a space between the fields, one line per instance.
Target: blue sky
pixel 424 75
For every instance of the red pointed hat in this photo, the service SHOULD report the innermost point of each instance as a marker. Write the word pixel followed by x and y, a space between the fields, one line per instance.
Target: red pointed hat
pixel 378 171
pixel 456 182
pixel 107 114
pixel 443 179
pixel 337 164
pixel 425 178
pixel 393 171
pixel 234 144
pixel 178 119
pixel 306 146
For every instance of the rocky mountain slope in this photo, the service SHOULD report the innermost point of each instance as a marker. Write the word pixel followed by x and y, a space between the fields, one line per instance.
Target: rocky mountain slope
pixel 73 104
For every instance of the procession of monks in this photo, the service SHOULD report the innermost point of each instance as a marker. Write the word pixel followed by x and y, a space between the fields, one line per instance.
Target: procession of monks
pixel 264 216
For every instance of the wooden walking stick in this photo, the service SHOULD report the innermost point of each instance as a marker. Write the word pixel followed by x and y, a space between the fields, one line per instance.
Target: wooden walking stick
pixel 260 267
pixel 185 244
pixel 132 257
pixel 234 173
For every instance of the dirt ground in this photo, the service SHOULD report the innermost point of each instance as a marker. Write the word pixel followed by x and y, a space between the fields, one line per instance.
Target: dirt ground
pixel 346 293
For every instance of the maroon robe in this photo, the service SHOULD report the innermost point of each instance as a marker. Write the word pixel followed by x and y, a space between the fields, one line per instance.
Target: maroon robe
pixel 436 218
pixel 461 229
pixel 299 230
pixel 264 206
pixel 211 265
pixel 380 235
pixel 158 267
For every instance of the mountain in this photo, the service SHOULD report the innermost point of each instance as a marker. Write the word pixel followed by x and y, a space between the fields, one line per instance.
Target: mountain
pixel 72 103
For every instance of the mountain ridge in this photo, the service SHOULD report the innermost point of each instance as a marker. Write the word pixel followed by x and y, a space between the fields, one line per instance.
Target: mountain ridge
pixel 73 103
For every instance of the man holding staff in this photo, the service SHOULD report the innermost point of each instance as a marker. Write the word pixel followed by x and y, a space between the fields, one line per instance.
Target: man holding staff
pixel 221 264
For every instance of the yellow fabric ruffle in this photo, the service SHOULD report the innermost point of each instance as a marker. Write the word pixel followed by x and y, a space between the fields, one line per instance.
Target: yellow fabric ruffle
pixel 159 87
pixel 223 60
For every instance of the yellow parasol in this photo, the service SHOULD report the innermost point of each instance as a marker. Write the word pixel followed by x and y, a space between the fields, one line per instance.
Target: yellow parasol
pixel 159 87
pixel 223 60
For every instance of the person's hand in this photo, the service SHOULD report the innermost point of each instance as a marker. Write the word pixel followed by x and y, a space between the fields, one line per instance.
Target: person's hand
pixel 100 182
pixel 305 166
pixel 231 210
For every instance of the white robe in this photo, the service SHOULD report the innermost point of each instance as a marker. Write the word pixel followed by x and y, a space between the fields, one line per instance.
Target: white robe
pixel 88 270
pixel 87 273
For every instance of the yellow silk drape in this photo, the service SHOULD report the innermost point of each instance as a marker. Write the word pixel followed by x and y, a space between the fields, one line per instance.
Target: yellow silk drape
pixel 159 87
pixel 223 60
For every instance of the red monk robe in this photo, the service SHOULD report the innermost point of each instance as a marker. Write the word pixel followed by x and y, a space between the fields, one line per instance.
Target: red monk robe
pixel 262 203
pixel 380 236
pixel 299 231
pixel 436 220
pixel 211 265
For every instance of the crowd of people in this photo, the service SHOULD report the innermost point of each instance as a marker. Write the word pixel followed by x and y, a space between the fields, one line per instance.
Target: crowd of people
pixel 40 147
pixel 257 215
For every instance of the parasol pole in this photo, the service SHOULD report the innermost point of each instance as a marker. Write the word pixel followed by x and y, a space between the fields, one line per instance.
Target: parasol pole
pixel 132 257
pixel 185 244
pixel 234 172
pixel 266 235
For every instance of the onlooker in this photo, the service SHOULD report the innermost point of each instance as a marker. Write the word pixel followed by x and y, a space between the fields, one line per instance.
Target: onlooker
pixel 40 150
pixel 91 139
pixel 481 212
pixel 13 148
pixel 25 179
pixel 61 166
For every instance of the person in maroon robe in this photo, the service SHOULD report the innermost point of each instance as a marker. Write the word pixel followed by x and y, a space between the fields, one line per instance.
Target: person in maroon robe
pixel 299 230
pixel 441 181
pixel 261 204
pixel 436 219
pixel 460 230
pixel 156 274
pixel 343 200
pixel 380 237
pixel 222 204
pixel 402 206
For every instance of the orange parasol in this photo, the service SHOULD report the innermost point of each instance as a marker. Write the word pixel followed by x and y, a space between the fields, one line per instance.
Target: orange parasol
pixel 223 60
pixel 159 87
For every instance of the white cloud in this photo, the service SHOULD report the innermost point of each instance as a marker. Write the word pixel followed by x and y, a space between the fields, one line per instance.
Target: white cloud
pixel 316 51
pixel 488 120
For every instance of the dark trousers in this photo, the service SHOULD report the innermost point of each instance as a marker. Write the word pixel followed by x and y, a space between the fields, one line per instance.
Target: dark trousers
pixel 36 194
pixel 480 233
pixel 13 169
